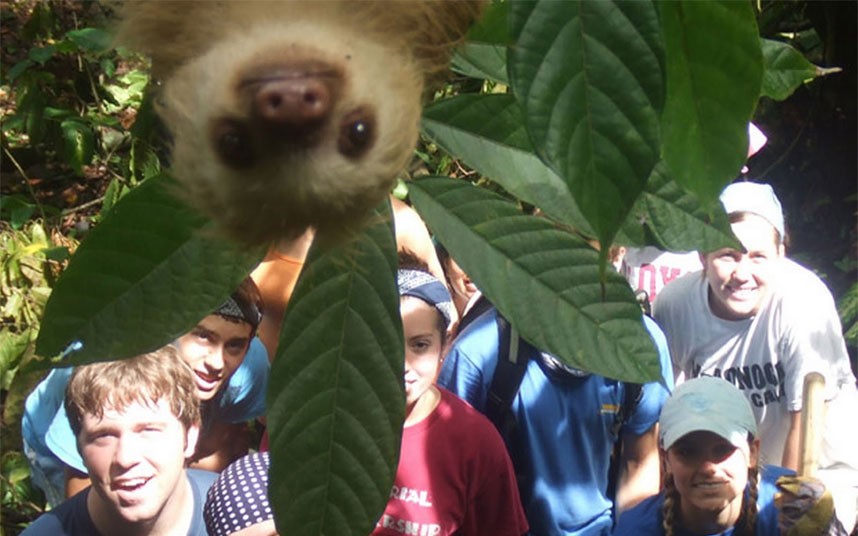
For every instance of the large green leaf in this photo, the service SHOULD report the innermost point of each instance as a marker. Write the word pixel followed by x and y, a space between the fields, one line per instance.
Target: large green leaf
pixel 487 132
pixel 786 69
pixel 484 53
pixel 670 218
pixel 141 278
pixel 714 70
pixel 589 77
pixel 480 60
pixel 544 280
pixel 335 400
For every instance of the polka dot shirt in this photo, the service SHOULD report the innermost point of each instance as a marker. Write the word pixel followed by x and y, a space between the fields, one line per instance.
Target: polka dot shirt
pixel 239 497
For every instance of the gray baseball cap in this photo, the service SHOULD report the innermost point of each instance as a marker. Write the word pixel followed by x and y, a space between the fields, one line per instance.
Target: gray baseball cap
pixel 707 404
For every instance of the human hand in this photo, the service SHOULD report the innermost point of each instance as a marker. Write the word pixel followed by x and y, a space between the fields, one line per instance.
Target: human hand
pixel 806 508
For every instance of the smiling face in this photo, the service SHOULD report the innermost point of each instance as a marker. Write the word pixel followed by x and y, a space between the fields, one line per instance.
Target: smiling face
pixel 423 345
pixel 213 350
pixel 740 282
pixel 710 475
pixel 136 461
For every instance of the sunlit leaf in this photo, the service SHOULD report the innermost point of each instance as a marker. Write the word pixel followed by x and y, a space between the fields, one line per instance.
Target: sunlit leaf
pixel 544 280
pixel 336 401
pixel 670 218
pixel 487 132
pixel 91 39
pixel 141 278
pixel 589 78
pixel 714 71
pixel 786 69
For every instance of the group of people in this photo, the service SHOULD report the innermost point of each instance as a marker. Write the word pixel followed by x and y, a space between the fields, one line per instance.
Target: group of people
pixel 547 450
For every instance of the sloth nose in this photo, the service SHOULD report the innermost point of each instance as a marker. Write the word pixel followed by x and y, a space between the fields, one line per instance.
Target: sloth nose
pixel 292 101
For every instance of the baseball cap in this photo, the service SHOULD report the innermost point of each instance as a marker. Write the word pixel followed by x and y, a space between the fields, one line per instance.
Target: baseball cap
pixel 756 198
pixel 707 404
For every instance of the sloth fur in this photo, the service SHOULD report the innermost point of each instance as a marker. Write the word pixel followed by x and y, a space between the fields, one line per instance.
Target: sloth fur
pixel 291 113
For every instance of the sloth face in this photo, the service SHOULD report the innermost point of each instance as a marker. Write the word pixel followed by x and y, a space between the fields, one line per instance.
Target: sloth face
pixel 292 125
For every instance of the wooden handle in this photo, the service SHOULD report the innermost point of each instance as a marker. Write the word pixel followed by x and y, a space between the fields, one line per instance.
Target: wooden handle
pixel 812 421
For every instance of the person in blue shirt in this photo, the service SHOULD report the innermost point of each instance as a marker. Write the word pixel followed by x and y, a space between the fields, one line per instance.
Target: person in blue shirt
pixel 566 426
pixel 230 369
pixel 136 422
pixel 714 482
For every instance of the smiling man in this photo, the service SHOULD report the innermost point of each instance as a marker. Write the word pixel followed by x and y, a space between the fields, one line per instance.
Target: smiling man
pixel 763 322
pixel 230 371
pixel 136 422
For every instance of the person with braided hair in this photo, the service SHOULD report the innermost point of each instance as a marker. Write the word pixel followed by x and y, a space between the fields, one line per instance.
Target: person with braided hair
pixel 714 483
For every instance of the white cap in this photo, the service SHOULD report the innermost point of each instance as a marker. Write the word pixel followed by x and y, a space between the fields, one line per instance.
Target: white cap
pixel 756 198
pixel 707 404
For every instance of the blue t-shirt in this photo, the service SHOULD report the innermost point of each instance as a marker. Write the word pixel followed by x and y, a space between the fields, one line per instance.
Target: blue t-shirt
pixel 46 428
pixel 645 519
pixel 71 518
pixel 564 429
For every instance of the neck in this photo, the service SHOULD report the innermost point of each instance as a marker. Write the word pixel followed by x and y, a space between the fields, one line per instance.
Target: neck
pixel 699 521
pixel 423 407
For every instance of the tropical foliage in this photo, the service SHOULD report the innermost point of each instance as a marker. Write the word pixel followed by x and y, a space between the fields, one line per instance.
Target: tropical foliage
pixel 582 125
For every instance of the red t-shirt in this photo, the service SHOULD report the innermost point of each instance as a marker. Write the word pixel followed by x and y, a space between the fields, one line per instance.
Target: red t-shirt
pixel 454 477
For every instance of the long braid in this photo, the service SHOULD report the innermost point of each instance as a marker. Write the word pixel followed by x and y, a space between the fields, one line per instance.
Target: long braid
pixel 749 508
pixel 668 509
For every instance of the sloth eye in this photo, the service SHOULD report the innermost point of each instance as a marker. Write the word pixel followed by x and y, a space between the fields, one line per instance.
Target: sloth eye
pixel 357 134
pixel 232 143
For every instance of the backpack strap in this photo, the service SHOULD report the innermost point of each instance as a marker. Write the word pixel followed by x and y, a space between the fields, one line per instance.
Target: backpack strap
pixel 511 365
pixel 477 309
pixel 632 393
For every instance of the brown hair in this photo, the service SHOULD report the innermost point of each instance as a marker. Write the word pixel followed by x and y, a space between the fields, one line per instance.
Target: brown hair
pixel 146 379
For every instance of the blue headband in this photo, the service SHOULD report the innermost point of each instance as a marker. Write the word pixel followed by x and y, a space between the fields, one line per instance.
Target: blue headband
pixel 426 287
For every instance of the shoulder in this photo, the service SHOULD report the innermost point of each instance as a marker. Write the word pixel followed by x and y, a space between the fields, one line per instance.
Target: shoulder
pixel 679 290
pixel 799 286
pixel 477 345
pixel 243 397
pixel 70 518
pixel 201 480
pixel 481 331
pixel 455 408
pixel 463 421
pixel 42 404
pixel 767 518
pixel 769 474
pixel 644 519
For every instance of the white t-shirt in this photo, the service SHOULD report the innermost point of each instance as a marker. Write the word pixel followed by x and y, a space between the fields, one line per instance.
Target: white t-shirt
pixel 796 331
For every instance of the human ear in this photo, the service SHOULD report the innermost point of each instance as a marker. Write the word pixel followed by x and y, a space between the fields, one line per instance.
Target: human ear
pixel 191 437
pixel 754 453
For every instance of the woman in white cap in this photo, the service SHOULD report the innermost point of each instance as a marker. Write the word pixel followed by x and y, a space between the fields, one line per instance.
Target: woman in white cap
pixel 763 322
pixel 713 481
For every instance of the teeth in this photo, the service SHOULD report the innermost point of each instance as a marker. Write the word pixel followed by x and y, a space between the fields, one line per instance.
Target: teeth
pixel 132 483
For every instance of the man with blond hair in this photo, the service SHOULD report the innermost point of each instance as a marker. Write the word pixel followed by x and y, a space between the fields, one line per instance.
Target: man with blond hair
pixel 136 422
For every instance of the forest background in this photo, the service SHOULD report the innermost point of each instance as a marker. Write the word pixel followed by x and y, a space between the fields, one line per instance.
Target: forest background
pixel 77 136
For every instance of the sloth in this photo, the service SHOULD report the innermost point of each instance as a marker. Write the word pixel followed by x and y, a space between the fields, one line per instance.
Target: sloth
pixel 287 114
